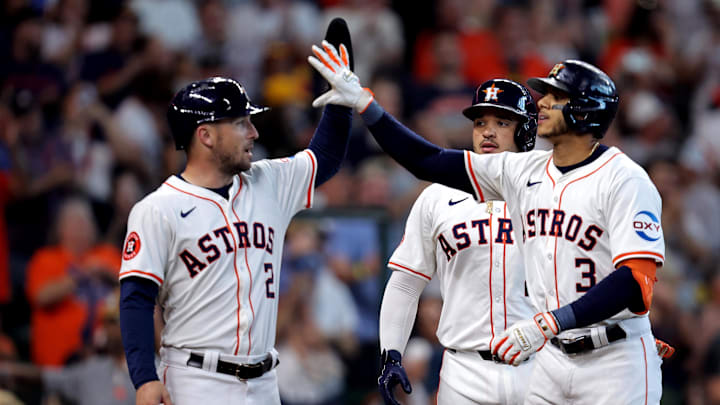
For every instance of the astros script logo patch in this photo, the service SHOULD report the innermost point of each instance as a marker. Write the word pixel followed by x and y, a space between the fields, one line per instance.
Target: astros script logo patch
pixel 132 246
pixel 647 226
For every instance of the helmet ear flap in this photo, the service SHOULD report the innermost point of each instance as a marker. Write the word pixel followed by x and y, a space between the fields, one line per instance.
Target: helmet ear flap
pixel 525 134
pixel 587 114
pixel 570 120
pixel 180 127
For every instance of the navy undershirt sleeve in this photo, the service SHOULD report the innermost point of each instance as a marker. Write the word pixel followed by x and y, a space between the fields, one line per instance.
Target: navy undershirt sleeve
pixel 330 141
pixel 423 159
pixel 137 302
pixel 617 291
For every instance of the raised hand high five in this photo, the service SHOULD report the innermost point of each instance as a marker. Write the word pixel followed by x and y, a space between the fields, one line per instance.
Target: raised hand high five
pixel 345 86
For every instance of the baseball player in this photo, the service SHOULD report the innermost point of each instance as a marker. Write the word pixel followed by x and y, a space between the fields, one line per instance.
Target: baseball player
pixel 207 245
pixel 592 238
pixel 473 250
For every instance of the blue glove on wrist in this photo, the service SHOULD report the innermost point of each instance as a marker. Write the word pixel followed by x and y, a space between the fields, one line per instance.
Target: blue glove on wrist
pixel 393 374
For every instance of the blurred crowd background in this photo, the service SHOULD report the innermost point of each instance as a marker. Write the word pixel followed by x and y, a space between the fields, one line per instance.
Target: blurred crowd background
pixel 84 87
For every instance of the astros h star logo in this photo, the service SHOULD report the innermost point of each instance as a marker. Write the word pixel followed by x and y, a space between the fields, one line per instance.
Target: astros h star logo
pixel 556 69
pixel 491 93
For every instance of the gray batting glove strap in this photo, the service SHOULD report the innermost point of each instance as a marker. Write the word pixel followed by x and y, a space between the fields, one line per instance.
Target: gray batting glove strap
pixel 345 85
pixel 393 373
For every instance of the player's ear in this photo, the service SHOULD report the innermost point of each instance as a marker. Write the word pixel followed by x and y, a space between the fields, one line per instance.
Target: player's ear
pixel 205 135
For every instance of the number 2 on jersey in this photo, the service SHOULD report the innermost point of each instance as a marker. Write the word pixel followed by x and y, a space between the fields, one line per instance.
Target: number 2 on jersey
pixel 589 274
pixel 268 283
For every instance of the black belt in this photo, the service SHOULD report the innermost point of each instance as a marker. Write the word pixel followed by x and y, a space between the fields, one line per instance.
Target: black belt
pixel 240 371
pixel 485 355
pixel 585 343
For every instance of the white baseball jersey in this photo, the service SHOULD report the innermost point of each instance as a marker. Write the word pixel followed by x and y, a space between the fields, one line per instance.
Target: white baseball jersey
pixel 474 251
pixel 577 226
pixel 217 261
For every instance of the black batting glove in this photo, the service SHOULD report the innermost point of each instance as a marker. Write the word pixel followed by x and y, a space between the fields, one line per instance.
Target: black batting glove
pixel 392 374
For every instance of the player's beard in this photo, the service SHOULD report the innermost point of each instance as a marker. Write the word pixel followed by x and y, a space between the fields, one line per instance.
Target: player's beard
pixel 230 163
pixel 559 127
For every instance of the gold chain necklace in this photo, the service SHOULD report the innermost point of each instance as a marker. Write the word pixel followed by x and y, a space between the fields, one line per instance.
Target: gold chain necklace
pixel 592 150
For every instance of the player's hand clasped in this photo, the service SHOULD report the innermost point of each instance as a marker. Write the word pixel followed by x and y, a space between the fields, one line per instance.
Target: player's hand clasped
pixel 664 350
pixel 524 338
pixel 393 373
pixel 345 85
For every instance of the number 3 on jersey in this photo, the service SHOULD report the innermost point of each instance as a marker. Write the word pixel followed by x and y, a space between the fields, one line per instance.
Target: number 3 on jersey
pixel 269 282
pixel 588 274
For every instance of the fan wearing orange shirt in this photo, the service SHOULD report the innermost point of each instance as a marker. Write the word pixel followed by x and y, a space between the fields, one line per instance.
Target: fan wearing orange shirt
pixel 66 283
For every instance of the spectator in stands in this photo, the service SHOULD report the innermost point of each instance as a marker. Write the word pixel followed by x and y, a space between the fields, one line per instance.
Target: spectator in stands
pixel 25 68
pixel 114 68
pixel 44 164
pixel 101 378
pixel 174 22
pixel 652 125
pixel 504 48
pixel 378 28
pixel 435 104
pixel 312 373
pixel 96 141
pixel 141 115
pixel 212 47
pixel 353 255
pixel 127 190
pixel 9 185
pixel 266 22
pixel 308 284
pixel 711 370
pixel 66 281
pixel 643 43
pixel 64 32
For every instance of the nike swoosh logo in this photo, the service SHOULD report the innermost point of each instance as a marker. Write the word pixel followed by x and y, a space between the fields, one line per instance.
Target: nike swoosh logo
pixel 184 214
pixel 451 202
pixel 529 184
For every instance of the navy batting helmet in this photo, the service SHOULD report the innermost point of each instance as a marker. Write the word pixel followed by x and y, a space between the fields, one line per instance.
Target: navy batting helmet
pixel 593 97
pixel 510 96
pixel 208 100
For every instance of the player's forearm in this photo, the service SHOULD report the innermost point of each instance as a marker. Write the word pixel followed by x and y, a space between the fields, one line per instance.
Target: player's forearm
pixel 423 159
pixel 137 299
pixel 330 141
pixel 614 293
pixel 398 310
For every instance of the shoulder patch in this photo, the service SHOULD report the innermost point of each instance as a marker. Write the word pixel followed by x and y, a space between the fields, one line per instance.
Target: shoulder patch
pixel 132 246
pixel 647 226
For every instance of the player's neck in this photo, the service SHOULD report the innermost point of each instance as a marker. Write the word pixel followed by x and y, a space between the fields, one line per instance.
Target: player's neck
pixel 205 175
pixel 572 149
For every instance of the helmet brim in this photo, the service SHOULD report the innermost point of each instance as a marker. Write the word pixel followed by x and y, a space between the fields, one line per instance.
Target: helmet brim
pixel 543 84
pixel 474 110
pixel 253 108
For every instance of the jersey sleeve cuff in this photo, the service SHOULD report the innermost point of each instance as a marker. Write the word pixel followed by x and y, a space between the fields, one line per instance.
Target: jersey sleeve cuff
pixel 473 180
pixel 638 255
pixel 142 274
pixel 406 269
pixel 310 195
